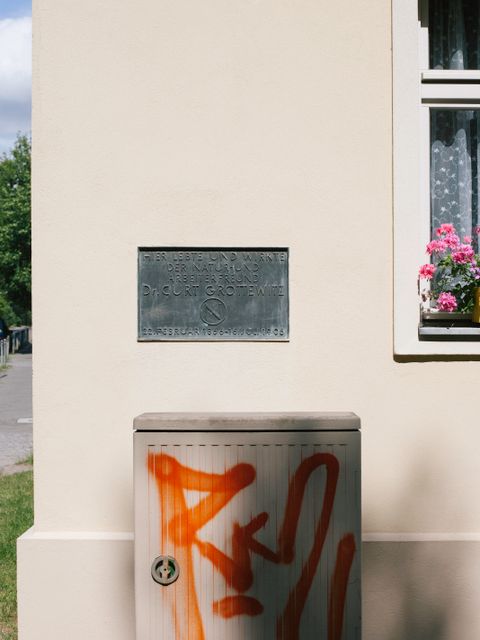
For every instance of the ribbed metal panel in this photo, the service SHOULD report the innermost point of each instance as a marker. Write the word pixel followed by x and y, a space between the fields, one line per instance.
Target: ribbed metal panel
pixel 265 528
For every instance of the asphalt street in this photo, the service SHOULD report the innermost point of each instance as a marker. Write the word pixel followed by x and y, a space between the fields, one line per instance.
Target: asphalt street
pixel 15 410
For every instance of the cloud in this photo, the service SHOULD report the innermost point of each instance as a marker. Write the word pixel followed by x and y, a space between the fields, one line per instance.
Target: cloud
pixel 15 78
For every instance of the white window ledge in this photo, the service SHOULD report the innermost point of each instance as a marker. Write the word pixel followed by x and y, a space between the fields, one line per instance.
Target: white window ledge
pixel 444 330
pixel 437 75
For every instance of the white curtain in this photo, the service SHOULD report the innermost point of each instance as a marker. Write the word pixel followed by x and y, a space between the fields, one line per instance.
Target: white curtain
pixel 454 33
pixel 454 30
pixel 454 171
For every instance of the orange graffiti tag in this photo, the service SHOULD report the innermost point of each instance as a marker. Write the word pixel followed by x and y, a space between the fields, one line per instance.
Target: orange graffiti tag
pixel 181 527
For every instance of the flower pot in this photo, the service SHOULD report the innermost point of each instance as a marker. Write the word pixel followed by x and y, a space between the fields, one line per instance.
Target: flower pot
pixel 433 314
pixel 476 308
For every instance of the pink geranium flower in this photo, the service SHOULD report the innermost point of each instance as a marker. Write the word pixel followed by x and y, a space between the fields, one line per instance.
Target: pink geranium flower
pixel 451 240
pixel 463 254
pixel 454 260
pixel 445 229
pixel 475 272
pixel 446 302
pixel 426 271
pixel 436 246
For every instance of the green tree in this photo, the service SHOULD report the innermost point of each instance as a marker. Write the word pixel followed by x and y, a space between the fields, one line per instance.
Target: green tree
pixel 15 233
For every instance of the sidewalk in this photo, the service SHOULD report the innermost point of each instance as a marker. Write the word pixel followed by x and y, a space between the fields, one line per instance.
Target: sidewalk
pixel 15 406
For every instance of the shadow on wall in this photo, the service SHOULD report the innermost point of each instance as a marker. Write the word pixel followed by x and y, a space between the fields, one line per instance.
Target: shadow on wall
pixel 405 593
pixel 421 590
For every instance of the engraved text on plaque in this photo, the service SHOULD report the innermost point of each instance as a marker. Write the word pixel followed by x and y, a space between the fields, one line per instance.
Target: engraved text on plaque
pixel 212 293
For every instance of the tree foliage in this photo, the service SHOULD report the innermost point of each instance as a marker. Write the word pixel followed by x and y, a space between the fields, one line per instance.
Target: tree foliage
pixel 15 233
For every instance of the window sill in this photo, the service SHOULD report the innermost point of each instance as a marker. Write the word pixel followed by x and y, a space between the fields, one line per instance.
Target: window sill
pixel 434 336
pixel 449 330
pixel 438 325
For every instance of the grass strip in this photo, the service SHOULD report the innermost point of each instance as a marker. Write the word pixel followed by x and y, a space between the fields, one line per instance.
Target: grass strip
pixel 16 516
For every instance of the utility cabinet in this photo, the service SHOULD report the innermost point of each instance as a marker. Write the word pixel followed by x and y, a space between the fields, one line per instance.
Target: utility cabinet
pixel 247 526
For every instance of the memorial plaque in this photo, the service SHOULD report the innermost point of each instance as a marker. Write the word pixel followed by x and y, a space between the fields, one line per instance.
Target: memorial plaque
pixel 199 293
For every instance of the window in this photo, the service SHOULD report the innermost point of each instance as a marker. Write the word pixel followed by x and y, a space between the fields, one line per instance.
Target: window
pixel 436 99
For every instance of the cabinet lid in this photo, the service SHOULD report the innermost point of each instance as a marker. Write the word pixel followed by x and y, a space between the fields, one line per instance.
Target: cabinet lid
pixel 297 421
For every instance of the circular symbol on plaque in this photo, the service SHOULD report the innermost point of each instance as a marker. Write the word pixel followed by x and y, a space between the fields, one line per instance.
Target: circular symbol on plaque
pixel 213 311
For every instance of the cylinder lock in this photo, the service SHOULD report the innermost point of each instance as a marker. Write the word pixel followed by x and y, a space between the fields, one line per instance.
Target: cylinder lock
pixel 165 570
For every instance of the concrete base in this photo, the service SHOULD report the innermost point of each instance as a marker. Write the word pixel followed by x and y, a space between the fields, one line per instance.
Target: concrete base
pixel 80 585
pixel 75 586
pixel 421 590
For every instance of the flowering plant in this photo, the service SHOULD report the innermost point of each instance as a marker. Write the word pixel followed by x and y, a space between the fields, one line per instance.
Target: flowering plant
pixel 453 273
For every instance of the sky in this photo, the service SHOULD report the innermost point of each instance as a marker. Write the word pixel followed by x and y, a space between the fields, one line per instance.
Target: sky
pixel 15 70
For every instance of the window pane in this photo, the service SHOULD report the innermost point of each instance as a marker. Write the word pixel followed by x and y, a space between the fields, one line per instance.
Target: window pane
pixel 454 169
pixel 454 31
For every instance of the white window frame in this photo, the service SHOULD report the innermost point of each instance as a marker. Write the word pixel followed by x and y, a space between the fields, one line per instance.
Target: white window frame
pixel 415 90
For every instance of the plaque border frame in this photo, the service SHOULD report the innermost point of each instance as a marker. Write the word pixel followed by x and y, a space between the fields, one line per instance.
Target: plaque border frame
pixel 156 339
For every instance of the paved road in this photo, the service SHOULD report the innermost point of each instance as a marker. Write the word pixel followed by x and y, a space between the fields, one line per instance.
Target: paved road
pixel 15 404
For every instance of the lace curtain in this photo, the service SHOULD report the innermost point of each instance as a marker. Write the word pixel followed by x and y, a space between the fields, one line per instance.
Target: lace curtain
pixel 454 169
pixel 454 32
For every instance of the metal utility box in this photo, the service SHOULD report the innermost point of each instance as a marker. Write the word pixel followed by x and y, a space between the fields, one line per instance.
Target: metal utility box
pixel 247 526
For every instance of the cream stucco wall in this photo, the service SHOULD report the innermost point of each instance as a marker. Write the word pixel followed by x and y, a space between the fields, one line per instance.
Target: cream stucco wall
pixel 253 123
